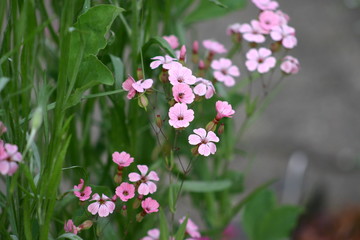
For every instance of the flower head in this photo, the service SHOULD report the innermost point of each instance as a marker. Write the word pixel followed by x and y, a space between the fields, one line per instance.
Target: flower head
pixel 214 46
pixel 127 86
pixel 225 72
pixel 204 88
pixel 183 93
pixel 152 234
pixel 122 159
pixel 150 205
pixel 180 116
pixel 223 109
pixel 266 4
pixel 268 20
pixel 9 158
pixel 191 228
pixel 125 191
pixel 179 74
pixel 102 205
pixel 172 40
pixel 167 62
pixel 290 65
pixel 204 140
pixel 260 60
pixel 146 180
pixel 81 192
pixel 285 34
pixel 70 227
pixel 253 32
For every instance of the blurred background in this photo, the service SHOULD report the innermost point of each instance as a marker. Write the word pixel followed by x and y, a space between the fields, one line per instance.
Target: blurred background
pixel 316 114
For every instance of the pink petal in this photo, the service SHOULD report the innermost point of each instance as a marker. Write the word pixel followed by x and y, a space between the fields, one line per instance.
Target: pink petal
pixel 152 187
pixel 251 65
pixel 263 68
pixel 212 147
pixel 95 197
pixel 211 136
pixel 264 52
pixel 252 54
pixel 229 81
pixel 201 132
pixel 4 167
pixel 153 176
pixel 110 206
pixel 200 89
pixel 93 208
pixel 146 84
pixel 143 169
pixel 194 139
pixel 204 150
pixel 103 211
pixel 12 168
pixel 134 177
pixel 143 189
pixel 155 64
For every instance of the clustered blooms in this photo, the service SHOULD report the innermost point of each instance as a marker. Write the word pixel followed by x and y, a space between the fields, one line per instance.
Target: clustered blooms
pixel 10 157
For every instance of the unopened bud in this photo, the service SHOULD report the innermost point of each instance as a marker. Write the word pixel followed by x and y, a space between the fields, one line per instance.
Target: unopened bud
pixel 211 126
pixel 158 121
pixel 164 76
pixel 86 225
pixel 194 151
pixel 140 217
pixel 137 201
pixel 195 47
pixel 143 101
pixel 182 54
pixel 221 129
pixel 139 73
pixel 117 178
pixel 124 210
pixel 37 118
pixel 253 45
pixel 275 47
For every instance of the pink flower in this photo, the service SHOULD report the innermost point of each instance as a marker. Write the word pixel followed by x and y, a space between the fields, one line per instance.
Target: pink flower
pixel 150 205
pixel 9 158
pixel 180 116
pixel 260 60
pixel 233 29
pixel 284 18
pixel 191 228
pixel 172 40
pixel 125 191
pixel 204 140
pixel 70 227
pixel 153 234
pixel 285 34
pixel 82 193
pixel 214 46
pixel 122 159
pixel 253 32
pixel 127 86
pixel 102 206
pixel 268 20
pixel 224 71
pixel 204 87
pixel 142 85
pixel 179 74
pixel 167 62
pixel 223 109
pixel 182 93
pixel 146 184
pixel 266 4
pixel 290 65
pixel 3 128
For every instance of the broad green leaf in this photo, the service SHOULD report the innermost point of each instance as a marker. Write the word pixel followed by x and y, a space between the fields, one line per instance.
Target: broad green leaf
pixel 206 186
pixel 164 229
pixel 70 236
pixel 214 8
pixel 278 223
pixel 162 43
pixel 180 234
pixel 118 70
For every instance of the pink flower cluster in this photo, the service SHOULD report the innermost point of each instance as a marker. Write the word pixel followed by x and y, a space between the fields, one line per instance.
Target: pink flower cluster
pixel 10 157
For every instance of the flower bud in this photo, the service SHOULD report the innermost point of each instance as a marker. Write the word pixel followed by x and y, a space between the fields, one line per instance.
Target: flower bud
pixel 195 47
pixel 118 178
pixel 164 76
pixel 37 119
pixel 143 102
pixel 137 201
pixel 86 225
pixel 182 54
pixel 139 73
pixel 275 47
pixel 221 129
pixel 158 121
pixel 211 126
pixel 140 216
pixel 194 151
pixel 124 210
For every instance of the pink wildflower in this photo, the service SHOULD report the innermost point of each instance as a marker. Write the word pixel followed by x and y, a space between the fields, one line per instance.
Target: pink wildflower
pixel 102 205
pixel 3 128
pixel 125 191
pixel 70 227
pixel 253 32
pixel 122 159
pixel 167 62
pixel 285 34
pixel 204 140
pixel 233 29
pixel 9 158
pixel 146 184
pixel 191 228
pixel 214 46
pixel 266 4
pixel 152 234
pixel 82 193
pixel 150 205
pixel 142 85
pixel 172 40
pixel 204 88
pixel 290 65
pixel 224 71
pixel 180 116
pixel 223 109
pixel 127 86
pixel 179 74
pixel 268 20
pixel 260 60
pixel 183 93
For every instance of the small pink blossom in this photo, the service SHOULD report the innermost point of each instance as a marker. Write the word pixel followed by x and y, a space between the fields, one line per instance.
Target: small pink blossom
pixel 9 158
pixel 102 205
pixel 179 74
pixel 204 88
pixel 70 227
pixel 285 34
pixel 225 72
pixel 3 128
pixel 260 60
pixel 150 205
pixel 81 192
pixel 191 228
pixel 214 46
pixel 172 40
pixel 223 109
pixel 127 86
pixel 266 4
pixel 146 185
pixel 180 116
pixel 284 18
pixel 268 20
pixel 290 65
pixel 122 159
pixel 205 141
pixel 125 191
pixel 152 234
pixel 167 62
pixel 183 93
pixel 233 29
pixel 253 32
pixel 142 85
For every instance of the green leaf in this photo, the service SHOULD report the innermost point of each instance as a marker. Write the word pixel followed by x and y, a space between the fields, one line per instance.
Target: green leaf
pixel 206 186
pixel 118 70
pixel 162 43
pixel 3 82
pixel 209 9
pixel 164 229
pixel 70 236
pixel 237 179
pixel 278 223
pixel 180 234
